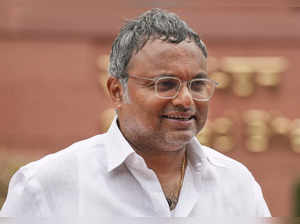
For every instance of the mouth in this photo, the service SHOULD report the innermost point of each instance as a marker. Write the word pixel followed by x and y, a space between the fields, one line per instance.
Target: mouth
pixel 180 117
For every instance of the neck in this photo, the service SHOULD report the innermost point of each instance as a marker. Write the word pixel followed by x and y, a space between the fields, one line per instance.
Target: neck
pixel 163 162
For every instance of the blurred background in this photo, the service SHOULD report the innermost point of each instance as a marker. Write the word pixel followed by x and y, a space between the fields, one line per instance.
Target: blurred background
pixel 53 63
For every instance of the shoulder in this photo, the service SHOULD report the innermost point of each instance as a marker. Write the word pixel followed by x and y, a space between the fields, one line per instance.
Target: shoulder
pixel 49 185
pixel 221 160
pixel 231 175
pixel 60 166
pixel 236 182
pixel 227 165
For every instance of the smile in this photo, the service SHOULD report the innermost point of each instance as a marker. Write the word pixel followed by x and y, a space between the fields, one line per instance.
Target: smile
pixel 178 117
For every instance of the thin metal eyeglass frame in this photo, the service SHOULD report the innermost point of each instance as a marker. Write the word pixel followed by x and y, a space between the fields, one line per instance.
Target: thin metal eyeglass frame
pixel 156 79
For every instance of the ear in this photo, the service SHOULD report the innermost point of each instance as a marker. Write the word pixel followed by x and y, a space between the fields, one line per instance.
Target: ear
pixel 115 90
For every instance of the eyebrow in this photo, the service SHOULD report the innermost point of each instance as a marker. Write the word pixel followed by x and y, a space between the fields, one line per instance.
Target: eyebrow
pixel 197 76
pixel 201 75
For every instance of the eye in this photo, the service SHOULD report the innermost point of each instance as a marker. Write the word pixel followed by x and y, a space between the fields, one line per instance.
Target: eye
pixel 198 85
pixel 150 84
pixel 167 84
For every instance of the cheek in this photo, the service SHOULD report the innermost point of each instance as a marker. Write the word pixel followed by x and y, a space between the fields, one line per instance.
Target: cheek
pixel 147 101
pixel 146 107
pixel 151 111
pixel 202 111
pixel 152 114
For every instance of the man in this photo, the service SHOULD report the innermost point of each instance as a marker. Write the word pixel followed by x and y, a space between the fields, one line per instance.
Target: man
pixel 149 163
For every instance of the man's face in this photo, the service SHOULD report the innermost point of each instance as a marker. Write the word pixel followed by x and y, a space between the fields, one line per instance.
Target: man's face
pixel 149 121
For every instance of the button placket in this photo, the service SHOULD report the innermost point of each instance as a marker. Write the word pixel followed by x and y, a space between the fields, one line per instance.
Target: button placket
pixel 149 182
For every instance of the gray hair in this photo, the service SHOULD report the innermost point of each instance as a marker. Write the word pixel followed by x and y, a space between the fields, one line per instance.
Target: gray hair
pixel 133 36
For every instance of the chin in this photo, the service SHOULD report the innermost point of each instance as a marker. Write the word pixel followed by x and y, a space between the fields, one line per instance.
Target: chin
pixel 180 138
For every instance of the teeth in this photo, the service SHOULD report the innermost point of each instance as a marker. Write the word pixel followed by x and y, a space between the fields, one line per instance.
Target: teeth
pixel 179 118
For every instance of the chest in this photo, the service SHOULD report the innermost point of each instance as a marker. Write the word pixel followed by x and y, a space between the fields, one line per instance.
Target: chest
pixel 136 193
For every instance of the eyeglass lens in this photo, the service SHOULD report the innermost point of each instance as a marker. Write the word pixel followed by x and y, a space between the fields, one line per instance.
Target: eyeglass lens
pixel 199 88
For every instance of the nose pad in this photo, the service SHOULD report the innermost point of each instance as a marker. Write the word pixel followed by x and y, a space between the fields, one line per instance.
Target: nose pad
pixel 184 97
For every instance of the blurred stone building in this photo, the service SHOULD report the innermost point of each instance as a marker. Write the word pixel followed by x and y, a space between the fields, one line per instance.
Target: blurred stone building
pixel 53 58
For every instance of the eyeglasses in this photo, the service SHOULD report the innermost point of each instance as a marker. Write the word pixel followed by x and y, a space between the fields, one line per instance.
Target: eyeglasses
pixel 201 89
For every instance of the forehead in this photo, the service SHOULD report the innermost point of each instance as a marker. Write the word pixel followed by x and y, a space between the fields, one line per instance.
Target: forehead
pixel 159 56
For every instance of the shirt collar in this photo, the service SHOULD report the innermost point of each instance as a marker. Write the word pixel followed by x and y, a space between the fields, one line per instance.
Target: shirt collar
pixel 196 155
pixel 118 148
pixel 201 156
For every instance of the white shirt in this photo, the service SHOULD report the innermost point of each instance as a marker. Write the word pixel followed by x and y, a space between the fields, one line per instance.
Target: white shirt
pixel 103 176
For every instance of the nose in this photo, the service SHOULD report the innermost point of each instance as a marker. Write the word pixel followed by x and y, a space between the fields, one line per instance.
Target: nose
pixel 184 97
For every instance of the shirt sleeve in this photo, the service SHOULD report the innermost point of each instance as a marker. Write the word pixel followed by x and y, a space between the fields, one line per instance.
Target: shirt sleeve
pixel 262 209
pixel 24 198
